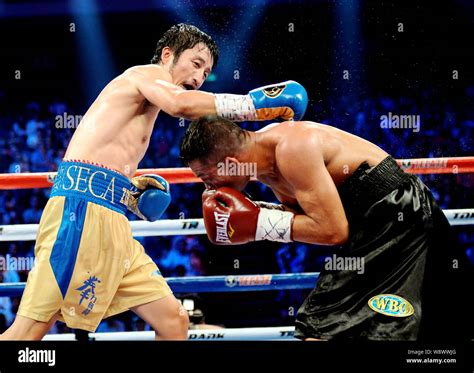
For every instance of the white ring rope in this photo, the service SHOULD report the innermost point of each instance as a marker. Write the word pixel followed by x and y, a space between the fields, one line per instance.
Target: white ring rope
pixel 27 232
pixel 237 334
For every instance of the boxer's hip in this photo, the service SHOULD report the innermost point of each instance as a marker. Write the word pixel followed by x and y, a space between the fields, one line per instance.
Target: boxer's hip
pixel 367 186
pixel 84 218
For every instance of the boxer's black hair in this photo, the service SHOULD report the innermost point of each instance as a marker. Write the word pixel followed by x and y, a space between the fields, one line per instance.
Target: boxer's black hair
pixel 181 37
pixel 210 139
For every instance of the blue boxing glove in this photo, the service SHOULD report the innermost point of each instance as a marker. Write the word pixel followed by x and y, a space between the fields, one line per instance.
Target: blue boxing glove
pixel 149 196
pixel 287 100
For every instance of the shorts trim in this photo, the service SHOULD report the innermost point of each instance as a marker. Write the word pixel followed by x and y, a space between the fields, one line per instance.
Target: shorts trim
pixel 66 247
pixel 41 317
pixel 80 325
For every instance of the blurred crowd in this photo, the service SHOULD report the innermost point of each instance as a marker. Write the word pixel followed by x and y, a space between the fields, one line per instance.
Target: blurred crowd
pixel 30 141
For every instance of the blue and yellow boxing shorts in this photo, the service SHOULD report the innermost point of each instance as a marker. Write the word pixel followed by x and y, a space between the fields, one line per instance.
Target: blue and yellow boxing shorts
pixel 88 266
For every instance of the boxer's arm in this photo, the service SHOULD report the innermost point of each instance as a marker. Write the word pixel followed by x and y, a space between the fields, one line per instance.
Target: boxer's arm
pixel 258 104
pixel 181 103
pixel 324 220
pixel 174 100
pixel 295 209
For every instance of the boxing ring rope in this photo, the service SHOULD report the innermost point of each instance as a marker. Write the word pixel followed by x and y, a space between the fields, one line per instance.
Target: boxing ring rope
pixel 215 284
pixel 225 334
pixel 180 175
pixel 184 227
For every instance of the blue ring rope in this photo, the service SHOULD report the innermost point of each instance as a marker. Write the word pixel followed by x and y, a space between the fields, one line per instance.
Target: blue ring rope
pixel 215 284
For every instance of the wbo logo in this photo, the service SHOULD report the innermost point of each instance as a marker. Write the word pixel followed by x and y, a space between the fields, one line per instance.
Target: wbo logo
pixel 391 305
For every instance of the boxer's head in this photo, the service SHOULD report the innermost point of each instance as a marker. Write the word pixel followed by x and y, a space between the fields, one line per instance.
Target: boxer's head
pixel 215 149
pixel 188 54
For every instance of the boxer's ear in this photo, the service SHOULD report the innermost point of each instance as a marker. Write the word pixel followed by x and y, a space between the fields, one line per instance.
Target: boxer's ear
pixel 166 55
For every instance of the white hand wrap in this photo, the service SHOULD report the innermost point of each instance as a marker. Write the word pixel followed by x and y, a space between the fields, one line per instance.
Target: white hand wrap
pixel 274 225
pixel 235 107
pixel 269 205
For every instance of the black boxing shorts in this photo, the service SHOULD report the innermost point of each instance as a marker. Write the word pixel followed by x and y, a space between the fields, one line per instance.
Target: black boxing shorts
pixel 400 276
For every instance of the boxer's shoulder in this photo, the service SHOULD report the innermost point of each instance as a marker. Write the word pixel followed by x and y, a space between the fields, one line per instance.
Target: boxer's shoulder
pixel 294 140
pixel 148 72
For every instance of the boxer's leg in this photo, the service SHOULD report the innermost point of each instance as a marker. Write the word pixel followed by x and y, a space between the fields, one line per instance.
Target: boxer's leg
pixel 144 291
pixel 167 317
pixel 24 328
pixel 41 299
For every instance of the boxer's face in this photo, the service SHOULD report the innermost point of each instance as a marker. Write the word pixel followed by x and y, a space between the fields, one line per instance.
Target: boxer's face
pixel 220 175
pixel 192 67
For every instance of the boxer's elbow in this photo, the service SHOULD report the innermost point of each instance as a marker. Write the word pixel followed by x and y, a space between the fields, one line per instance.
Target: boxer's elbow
pixel 338 238
pixel 339 235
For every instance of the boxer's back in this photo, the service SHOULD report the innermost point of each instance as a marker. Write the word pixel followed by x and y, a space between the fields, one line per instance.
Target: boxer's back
pixel 342 151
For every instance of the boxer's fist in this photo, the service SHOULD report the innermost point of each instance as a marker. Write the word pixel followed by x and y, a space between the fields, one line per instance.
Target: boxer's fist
pixel 232 218
pixel 150 196
pixel 287 100
pixel 229 216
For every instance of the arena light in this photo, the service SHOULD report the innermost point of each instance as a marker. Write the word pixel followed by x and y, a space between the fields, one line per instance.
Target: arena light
pixel 347 60
pixel 96 63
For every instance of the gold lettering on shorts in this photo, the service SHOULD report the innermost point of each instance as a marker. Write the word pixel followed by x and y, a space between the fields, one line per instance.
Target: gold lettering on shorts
pixel 79 179
pixel 110 188
pixel 68 175
pixel 90 184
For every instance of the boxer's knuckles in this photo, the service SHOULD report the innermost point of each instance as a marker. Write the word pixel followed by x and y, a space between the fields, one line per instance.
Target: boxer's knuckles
pixel 229 217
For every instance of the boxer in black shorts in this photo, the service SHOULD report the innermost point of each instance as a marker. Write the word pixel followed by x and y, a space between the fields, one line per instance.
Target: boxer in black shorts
pixel 396 273
pixel 405 241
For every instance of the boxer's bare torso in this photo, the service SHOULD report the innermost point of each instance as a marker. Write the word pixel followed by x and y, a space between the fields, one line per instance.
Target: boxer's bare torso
pixel 294 142
pixel 303 163
pixel 116 130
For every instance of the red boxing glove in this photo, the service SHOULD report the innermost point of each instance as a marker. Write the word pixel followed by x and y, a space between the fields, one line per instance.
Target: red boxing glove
pixel 233 219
